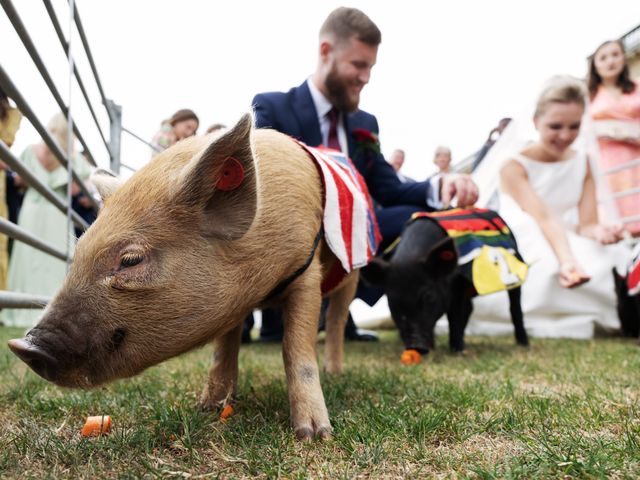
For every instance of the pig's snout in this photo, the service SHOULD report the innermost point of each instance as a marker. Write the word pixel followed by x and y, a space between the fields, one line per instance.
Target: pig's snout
pixel 68 357
pixel 421 346
pixel 36 357
pixel 415 340
pixel 418 338
pixel 413 333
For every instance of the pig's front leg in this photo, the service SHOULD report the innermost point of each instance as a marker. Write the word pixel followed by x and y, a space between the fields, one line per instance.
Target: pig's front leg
pixel 223 374
pixel 301 311
pixel 337 314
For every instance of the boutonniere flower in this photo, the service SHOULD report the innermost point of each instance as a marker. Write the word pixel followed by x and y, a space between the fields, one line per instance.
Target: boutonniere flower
pixel 366 140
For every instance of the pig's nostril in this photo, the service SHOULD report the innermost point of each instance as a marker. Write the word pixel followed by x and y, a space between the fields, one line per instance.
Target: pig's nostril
pixel 38 360
pixel 116 339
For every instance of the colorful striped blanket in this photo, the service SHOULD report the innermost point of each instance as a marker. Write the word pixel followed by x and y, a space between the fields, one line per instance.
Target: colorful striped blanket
pixel 487 250
pixel 350 227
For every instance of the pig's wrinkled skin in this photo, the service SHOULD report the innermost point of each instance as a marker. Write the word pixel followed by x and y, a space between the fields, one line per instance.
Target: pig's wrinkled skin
pixel 173 263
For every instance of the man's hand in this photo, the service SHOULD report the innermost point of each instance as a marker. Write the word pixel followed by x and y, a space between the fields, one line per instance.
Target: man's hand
pixel 458 186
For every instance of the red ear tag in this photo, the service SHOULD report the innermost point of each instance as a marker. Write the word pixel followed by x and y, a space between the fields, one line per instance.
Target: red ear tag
pixel 231 176
pixel 446 255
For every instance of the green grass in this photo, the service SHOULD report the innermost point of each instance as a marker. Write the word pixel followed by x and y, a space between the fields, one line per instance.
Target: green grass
pixel 561 409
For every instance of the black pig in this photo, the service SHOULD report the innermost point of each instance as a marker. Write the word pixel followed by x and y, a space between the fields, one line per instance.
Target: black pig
pixel 423 281
pixel 628 295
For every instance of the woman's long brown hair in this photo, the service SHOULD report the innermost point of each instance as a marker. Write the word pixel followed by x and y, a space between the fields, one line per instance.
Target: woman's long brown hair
pixel 594 80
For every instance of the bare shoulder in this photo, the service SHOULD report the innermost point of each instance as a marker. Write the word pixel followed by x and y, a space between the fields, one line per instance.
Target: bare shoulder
pixel 512 169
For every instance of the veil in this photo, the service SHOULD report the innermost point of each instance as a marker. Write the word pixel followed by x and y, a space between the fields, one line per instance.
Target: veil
pixel 521 132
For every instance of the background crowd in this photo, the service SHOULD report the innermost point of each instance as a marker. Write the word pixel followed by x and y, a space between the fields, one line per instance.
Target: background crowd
pixel 574 209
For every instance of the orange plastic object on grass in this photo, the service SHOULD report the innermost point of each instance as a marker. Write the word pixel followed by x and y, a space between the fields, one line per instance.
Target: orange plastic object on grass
pixel 95 426
pixel 227 411
pixel 410 357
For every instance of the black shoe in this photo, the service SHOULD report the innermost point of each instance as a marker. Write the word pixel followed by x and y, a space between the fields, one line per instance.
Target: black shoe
pixel 359 335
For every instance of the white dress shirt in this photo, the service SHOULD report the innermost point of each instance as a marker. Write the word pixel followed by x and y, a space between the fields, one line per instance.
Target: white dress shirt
pixel 323 106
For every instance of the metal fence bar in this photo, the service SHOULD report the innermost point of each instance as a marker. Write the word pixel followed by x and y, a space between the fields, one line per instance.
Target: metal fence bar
pixel 69 152
pixel 37 60
pixel 115 135
pixel 14 231
pixel 65 46
pixel 22 300
pixel 114 111
pixel 626 193
pixel 16 165
pixel 624 166
pixel 11 90
pixel 150 145
pixel 87 50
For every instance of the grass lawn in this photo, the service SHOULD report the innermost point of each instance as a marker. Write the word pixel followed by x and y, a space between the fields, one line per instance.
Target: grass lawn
pixel 561 409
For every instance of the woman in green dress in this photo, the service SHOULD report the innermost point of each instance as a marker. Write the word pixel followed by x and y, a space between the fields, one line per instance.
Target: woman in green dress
pixel 30 270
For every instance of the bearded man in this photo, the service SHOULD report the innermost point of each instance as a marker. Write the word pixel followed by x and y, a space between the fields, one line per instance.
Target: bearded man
pixel 324 111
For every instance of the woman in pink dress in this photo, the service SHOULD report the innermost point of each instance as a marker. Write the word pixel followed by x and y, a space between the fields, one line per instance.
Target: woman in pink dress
pixel 615 109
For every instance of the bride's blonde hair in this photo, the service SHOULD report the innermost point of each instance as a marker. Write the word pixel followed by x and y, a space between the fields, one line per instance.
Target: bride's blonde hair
pixel 561 89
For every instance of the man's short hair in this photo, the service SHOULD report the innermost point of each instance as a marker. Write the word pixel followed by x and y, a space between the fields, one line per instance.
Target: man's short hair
pixel 343 23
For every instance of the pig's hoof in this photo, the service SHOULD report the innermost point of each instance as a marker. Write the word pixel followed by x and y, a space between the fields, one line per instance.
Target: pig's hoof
pixel 206 404
pixel 207 407
pixel 215 400
pixel 306 434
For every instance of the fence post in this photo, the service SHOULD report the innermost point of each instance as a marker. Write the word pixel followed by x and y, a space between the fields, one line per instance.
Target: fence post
pixel 115 135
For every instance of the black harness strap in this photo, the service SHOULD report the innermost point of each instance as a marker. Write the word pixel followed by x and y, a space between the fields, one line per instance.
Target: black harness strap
pixel 281 287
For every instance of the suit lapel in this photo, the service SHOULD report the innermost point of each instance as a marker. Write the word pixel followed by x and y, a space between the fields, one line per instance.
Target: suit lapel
pixel 307 117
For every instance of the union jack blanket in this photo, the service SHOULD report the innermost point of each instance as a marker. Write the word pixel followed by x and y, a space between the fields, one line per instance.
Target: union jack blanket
pixel 350 227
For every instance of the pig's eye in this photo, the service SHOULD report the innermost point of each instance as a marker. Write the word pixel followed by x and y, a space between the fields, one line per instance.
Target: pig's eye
pixel 130 260
pixel 116 339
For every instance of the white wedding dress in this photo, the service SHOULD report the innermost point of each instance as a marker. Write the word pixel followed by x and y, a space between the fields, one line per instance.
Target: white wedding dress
pixel 549 309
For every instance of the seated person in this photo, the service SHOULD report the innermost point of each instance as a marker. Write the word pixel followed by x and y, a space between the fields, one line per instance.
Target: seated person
pixel 548 198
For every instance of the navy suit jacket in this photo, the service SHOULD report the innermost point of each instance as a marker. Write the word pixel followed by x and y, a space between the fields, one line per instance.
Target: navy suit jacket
pixel 294 113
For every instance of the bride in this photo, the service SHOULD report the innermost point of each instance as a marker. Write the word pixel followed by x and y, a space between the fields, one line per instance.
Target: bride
pixel 547 194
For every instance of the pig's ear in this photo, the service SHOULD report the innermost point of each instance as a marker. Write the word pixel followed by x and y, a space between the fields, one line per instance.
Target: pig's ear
pixel 376 272
pixel 220 182
pixel 442 260
pixel 106 182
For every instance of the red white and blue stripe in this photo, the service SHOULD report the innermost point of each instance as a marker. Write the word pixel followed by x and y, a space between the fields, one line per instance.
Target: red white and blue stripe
pixel 350 227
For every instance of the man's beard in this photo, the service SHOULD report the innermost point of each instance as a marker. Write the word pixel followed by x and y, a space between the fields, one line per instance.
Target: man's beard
pixel 338 93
